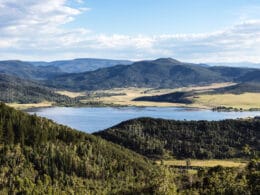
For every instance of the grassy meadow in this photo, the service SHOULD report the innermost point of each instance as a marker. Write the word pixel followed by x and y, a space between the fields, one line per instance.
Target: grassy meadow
pixel 205 163
pixel 244 101
pixel 32 105
pixel 128 94
pixel 125 96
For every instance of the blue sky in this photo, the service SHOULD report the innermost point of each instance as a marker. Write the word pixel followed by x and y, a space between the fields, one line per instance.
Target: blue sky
pixel 188 30
pixel 163 16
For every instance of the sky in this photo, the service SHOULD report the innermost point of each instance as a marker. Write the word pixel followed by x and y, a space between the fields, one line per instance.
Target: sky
pixel 199 31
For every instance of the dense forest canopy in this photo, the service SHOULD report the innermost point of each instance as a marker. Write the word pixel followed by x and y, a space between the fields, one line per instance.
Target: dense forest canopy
pixel 39 156
pixel 159 138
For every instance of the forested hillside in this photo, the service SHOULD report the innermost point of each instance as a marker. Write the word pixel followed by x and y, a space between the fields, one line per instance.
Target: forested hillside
pixel 18 90
pixel 220 180
pixel 158 138
pixel 38 156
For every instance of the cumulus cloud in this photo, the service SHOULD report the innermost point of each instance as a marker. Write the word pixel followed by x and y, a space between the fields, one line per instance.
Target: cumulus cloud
pixel 34 30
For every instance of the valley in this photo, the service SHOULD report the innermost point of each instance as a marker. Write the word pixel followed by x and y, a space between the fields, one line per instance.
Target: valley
pixel 129 97
pixel 149 127
pixel 131 84
pixel 202 99
pixel 51 154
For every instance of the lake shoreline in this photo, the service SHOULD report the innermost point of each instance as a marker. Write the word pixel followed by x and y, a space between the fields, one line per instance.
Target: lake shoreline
pixel 215 109
pixel 91 119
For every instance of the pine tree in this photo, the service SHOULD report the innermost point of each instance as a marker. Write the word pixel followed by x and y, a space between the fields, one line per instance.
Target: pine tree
pixel 9 133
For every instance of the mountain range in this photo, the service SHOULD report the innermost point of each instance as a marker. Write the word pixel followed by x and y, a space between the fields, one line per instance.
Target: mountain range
pixel 95 74
pixel 160 73
pixel 237 64
pixel 82 64
pixel 47 70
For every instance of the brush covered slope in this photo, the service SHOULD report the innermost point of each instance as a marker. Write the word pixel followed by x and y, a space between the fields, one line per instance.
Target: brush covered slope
pixel 18 90
pixel 158 138
pixel 38 156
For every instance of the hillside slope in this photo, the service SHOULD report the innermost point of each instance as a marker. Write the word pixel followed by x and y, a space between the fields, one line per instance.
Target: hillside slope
pixel 246 87
pixel 40 157
pixel 186 139
pixel 18 90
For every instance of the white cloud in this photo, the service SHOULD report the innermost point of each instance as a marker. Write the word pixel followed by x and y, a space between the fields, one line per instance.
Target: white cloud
pixel 34 30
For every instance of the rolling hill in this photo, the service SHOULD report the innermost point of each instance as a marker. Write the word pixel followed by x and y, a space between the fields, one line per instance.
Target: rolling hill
pixel 164 73
pixel 82 64
pixel 252 76
pixel 245 87
pixel 158 138
pixel 40 157
pixel 18 90
pixel 187 97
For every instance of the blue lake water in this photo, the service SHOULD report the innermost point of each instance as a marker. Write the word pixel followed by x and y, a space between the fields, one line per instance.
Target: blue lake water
pixel 91 119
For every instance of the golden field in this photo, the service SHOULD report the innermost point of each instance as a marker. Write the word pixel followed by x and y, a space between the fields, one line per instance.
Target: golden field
pixel 244 101
pixel 205 163
pixel 126 95
pixel 33 105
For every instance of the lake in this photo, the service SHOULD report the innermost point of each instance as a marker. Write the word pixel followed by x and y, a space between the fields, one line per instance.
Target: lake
pixel 92 119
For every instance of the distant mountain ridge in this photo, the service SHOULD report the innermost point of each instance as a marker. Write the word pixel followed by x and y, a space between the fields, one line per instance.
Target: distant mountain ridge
pixel 26 70
pixel 95 74
pixel 237 64
pixel 47 70
pixel 160 73
pixel 82 64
